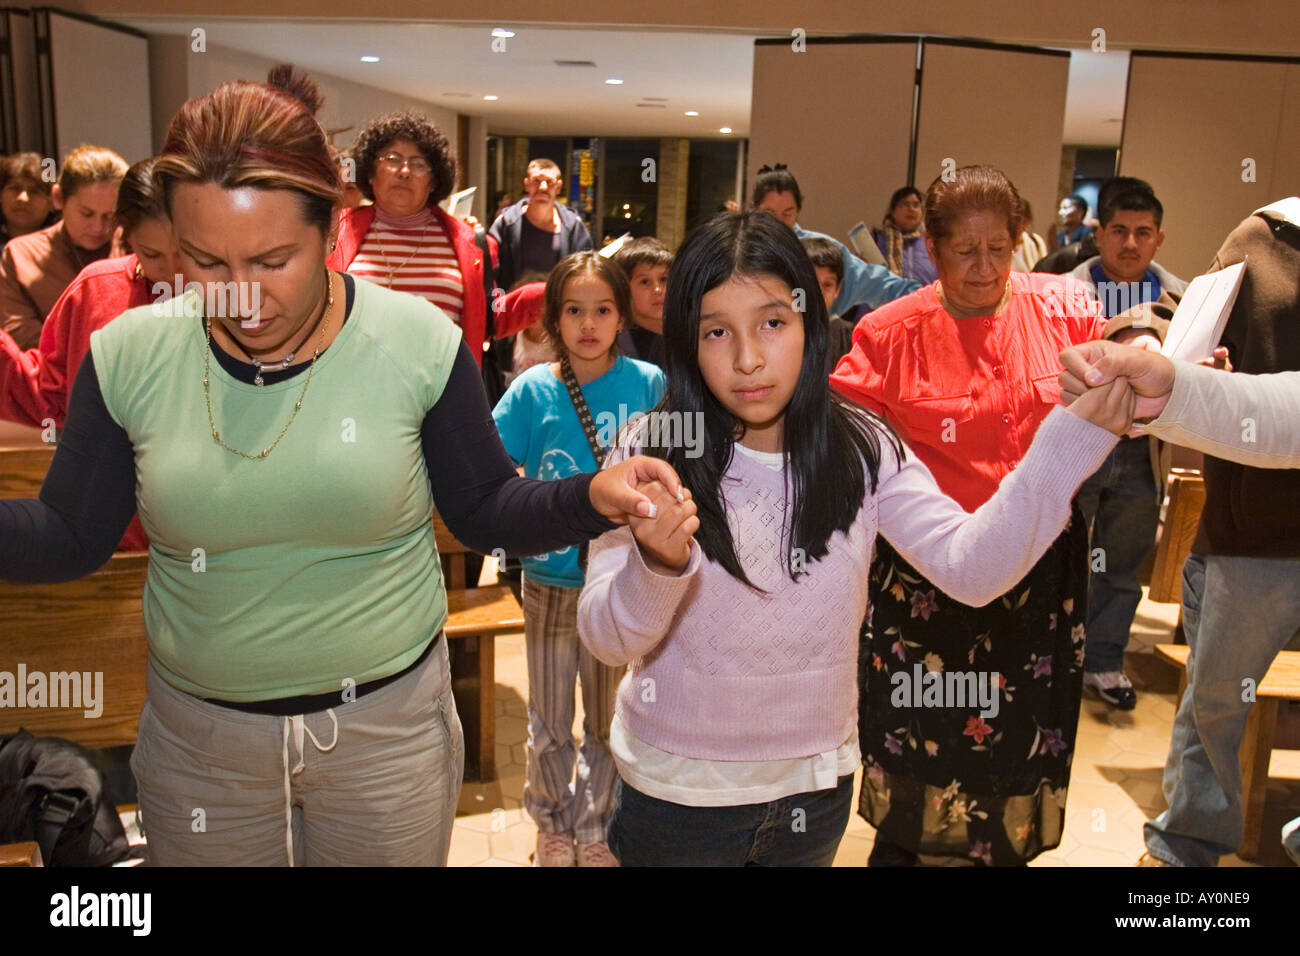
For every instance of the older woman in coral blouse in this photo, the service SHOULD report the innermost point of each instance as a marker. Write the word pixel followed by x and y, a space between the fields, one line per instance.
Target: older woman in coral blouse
pixel 968 715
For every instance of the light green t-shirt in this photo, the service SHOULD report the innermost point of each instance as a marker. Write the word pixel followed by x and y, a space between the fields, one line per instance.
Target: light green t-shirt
pixel 296 572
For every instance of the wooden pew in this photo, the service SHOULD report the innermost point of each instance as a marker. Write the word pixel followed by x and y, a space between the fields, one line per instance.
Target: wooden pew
pixel 1281 683
pixel 20 854
pixel 94 624
pixel 1178 532
pixel 23 468
pixel 475 616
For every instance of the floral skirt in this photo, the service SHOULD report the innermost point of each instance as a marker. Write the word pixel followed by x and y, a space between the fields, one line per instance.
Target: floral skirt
pixel 967 716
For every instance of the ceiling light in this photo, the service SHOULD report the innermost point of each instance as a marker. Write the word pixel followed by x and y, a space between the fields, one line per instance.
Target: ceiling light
pixel 503 32
pixel 725 129
pixel 692 112
pixel 614 81
pixel 491 96
pixel 370 59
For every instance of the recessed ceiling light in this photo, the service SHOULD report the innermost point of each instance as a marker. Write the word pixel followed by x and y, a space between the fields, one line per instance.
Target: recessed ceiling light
pixel 370 59
pixel 725 129
pixel 614 81
pixel 692 112
pixel 503 32
pixel 491 96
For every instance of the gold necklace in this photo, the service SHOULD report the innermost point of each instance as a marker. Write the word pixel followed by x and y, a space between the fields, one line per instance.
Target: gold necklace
pixel 384 252
pixel 207 393
pixel 1002 302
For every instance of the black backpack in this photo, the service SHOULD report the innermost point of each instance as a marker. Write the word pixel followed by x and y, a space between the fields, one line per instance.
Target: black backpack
pixel 52 793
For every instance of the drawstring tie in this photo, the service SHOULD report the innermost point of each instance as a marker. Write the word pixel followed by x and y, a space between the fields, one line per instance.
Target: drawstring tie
pixel 299 730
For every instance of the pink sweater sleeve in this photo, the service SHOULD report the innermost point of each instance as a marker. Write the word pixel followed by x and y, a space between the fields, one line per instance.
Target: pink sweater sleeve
pixel 976 557
pixel 626 609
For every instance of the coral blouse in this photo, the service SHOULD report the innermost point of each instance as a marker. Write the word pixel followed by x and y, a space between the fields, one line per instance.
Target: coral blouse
pixel 967 395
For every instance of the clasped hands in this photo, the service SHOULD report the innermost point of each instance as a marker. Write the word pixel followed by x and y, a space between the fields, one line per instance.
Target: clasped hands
pixel 1114 384
pixel 647 495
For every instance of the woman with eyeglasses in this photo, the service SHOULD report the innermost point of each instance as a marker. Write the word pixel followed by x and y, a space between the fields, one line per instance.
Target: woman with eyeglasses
pixel 405 241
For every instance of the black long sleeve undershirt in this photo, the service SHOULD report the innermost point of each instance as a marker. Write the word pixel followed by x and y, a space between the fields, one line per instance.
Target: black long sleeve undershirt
pixel 88 496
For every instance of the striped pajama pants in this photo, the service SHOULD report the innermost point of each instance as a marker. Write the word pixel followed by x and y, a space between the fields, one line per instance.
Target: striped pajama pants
pixel 556 801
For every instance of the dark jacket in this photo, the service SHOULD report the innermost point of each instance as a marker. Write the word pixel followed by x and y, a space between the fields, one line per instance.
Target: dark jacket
pixel 1251 512
pixel 1068 258
pixel 507 232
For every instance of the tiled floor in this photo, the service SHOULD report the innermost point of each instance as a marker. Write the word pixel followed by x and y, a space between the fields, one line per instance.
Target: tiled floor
pixel 1114 787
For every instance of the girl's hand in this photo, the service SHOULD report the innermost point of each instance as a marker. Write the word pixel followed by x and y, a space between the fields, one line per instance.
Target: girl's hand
pixel 665 539
pixel 614 491
pixel 1218 360
pixel 1108 406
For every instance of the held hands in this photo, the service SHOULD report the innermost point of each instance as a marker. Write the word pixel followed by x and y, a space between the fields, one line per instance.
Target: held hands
pixel 620 491
pixel 1107 406
pixel 1092 365
pixel 665 538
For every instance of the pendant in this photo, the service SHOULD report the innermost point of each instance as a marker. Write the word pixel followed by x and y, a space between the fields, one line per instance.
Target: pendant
pixel 257 379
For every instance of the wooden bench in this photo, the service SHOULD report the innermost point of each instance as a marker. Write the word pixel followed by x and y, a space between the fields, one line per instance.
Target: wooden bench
pixel 94 624
pixel 20 854
pixel 1182 518
pixel 475 616
pixel 1281 683
pixel 23 468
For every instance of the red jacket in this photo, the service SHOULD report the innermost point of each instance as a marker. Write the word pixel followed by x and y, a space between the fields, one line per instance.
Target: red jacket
pixel 35 385
pixel 353 225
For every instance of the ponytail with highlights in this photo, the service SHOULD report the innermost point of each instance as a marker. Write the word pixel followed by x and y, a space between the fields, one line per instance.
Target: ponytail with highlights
pixel 260 135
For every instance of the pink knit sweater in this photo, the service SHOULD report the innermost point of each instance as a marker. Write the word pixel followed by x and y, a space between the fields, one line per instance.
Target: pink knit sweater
pixel 724 672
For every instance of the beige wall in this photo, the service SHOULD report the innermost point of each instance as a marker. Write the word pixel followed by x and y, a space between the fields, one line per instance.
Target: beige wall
pixel 1188 127
pixel 840 116
pixel 177 73
pixel 996 107
pixel 1251 27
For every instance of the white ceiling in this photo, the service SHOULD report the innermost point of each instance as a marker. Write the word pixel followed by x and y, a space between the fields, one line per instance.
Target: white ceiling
pixel 709 72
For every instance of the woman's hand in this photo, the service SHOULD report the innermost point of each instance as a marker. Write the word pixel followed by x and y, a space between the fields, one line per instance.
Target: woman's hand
pixel 1107 406
pixel 665 539
pixel 1091 364
pixel 614 491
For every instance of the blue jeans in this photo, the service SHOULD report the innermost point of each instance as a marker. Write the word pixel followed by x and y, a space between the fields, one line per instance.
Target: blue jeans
pixel 1237 613
pixel 801 830
pixel 1119 503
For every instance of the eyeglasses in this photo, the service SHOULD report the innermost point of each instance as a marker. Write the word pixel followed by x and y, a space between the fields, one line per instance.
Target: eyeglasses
pixel 542 180
pixel 394 162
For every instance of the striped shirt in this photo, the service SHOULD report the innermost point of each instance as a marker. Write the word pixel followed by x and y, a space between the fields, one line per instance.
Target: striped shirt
pixel 417 252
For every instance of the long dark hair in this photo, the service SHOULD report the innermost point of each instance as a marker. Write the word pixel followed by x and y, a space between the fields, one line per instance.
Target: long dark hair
pixel 832 448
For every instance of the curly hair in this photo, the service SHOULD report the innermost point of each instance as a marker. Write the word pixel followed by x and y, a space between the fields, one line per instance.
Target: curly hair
pixel 415 128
